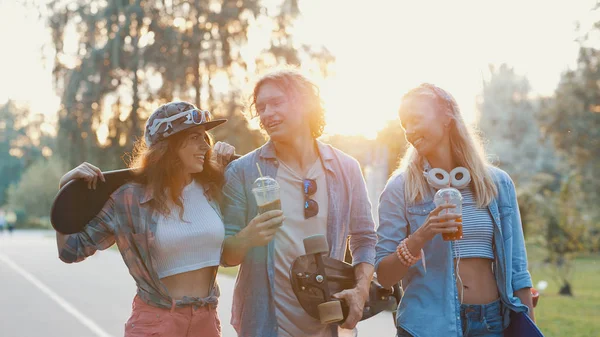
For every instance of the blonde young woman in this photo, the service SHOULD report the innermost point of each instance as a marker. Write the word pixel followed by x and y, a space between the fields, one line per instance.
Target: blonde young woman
pixel 465 287
pixel 167 224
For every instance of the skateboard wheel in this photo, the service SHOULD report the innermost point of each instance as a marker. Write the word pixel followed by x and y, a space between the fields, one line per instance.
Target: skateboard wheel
pixel 330 312
pixel 316 244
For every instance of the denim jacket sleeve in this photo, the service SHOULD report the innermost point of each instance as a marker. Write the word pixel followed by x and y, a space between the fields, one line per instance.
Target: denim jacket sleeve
pixel 234 201
pixel 520 275
pixel 362 225
pixel 98 234
pixel 393 224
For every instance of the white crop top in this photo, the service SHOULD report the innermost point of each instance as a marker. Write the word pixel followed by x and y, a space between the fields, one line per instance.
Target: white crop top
pixel 192 244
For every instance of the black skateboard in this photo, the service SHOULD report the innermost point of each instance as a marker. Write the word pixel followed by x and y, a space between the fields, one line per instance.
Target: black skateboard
pixel 76 205
pixel 315 277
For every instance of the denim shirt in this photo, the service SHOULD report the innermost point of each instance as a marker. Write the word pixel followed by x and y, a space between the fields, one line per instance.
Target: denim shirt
pixel 431 306
pixel 128 220
pixel 253 312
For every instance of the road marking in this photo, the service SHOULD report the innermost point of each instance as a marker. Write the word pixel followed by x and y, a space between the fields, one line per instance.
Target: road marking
pixel 56 298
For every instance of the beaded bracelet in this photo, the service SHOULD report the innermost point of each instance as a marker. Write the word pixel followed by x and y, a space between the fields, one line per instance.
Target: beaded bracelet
pixel 406 257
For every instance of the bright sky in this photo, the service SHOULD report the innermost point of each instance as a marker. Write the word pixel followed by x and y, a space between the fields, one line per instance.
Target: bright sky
pixel 383 48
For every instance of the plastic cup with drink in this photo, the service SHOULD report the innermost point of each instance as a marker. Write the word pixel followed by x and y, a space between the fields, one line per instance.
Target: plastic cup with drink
pixel 266 193
pixel 452 196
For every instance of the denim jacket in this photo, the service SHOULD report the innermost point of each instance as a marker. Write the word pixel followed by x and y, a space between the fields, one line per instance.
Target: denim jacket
pixel 430 306
pixel 253 312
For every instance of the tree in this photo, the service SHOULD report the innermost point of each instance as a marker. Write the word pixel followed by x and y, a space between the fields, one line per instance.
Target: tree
pixel 34 193
pixel 126 57
pixel 571 119
pixel 22 142
pixel 508 120
pixel 392 136
pixel 10 165
pixel 389 146
pixel 558 213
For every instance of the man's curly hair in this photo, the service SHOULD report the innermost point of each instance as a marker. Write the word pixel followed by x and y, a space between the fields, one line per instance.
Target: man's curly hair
pixel 297 87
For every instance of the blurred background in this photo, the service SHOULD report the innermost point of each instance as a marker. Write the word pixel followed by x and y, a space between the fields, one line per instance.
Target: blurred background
pixel 78 78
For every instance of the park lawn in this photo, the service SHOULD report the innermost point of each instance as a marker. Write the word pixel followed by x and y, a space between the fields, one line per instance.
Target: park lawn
pixel 577 316
pixel 231 271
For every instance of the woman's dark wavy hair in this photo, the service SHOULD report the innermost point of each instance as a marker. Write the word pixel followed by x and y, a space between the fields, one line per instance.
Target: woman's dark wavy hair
pixel 296 87
pixel 158 167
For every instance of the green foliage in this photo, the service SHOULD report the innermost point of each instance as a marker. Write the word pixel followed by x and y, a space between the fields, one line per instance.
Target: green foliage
pixel 556 217
pixel 572 121
pixel 393 138
pixel 133 55
pixel 508 120
pixel 560 206
pixel 385 150
pixel 358 147
pixel 573 316
pixel 10 166
pixel 21 143
pixel 34 193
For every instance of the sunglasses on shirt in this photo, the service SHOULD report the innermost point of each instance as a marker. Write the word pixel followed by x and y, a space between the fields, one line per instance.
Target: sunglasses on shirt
pixel 311 207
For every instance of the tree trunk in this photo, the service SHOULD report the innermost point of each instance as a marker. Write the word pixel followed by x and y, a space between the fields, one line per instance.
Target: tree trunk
pixel 196 56
pixel 566 289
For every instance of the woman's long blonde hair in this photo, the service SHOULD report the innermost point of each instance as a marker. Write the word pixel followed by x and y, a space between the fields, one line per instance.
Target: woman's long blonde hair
pixel 465 144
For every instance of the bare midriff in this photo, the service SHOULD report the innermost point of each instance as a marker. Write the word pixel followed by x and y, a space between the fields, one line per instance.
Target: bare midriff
pixel 195 283
pixel 478 281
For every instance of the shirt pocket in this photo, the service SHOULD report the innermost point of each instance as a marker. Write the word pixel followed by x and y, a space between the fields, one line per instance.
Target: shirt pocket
pixel 417 214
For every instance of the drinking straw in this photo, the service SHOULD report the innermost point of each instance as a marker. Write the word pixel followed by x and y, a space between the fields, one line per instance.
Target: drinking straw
pixel 259 171
pixel 262 183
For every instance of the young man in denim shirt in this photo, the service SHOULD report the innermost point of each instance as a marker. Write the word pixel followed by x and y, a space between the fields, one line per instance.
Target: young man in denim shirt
pixel 322 192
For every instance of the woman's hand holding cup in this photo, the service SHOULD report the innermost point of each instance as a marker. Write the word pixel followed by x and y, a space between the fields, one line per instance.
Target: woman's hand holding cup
pixel 437 223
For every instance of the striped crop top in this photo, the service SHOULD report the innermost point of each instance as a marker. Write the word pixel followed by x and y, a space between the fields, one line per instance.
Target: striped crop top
pixel 478 230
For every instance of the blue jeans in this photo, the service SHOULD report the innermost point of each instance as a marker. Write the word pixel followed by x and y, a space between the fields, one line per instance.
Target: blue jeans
pixel 483 320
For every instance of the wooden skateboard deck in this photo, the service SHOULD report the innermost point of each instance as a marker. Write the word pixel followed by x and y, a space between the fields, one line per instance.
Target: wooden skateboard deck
pixel 312 287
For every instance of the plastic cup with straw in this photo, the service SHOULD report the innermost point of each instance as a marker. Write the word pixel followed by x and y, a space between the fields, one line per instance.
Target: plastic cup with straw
pixel 452 196
pixel 266 193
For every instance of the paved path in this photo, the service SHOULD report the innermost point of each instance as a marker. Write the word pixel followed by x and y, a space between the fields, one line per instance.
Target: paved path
pixel 42 296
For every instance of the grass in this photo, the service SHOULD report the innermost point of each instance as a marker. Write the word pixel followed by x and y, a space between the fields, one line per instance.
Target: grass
pixel 576 316
pixel 231 271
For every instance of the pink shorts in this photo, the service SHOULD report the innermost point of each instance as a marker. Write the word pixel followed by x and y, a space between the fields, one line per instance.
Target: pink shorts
pixel 189 321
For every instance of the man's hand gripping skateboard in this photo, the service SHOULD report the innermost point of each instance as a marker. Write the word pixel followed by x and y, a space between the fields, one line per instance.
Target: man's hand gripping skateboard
pixel 316 278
